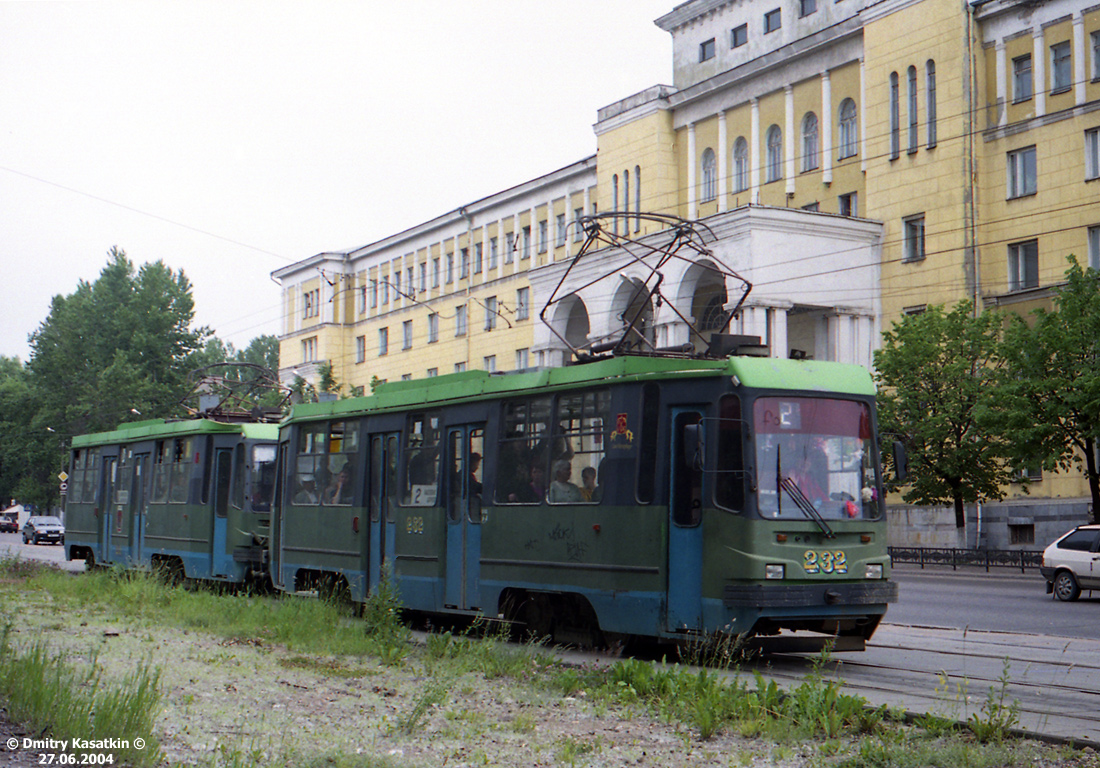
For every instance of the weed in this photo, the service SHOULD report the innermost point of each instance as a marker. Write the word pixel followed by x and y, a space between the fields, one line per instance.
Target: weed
pixel 434 694
pixel 997 717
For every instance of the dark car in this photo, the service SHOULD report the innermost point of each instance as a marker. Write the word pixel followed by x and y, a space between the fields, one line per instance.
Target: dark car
pixel 8 524
pixel 45 528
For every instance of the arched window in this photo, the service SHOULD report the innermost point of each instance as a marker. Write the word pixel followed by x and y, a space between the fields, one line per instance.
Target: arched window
pixel 615 202
pixel 809 142
pixel 895 116
pixel 740 164
pixel 709 189
pixel 930 95
pixel 626 193
pixel 775 153
pixel 848 125
pixel 637 196
pixel 912 109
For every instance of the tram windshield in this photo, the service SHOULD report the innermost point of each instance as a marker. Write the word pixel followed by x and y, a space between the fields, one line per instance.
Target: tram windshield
pixel 815 459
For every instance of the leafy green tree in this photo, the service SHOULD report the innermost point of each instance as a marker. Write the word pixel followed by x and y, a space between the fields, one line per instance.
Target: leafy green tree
pixel 115 350
pixel 934 373
pixel 1049 397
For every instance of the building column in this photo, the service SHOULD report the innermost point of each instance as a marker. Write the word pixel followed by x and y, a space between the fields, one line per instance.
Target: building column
pixel 691 163
pixel 1002 84
pixel 723 160
pixel 826 128
pixel 754 153
pixel 1080 54
pixel 789 161
pixel 778 341
pixel 1038 72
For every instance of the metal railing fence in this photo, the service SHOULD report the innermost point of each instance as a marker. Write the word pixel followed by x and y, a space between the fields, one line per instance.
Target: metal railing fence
pixel 989 558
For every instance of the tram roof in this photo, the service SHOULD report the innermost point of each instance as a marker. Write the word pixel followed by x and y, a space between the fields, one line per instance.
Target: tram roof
pixel 161 428
pixel 754 372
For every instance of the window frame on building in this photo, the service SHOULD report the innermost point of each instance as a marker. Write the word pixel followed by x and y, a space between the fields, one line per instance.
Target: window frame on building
pixel 848 125
pixel 774 150
pixel 739 36
pixel 523 303
pixel 707 50
pixel 1023 265
pixel 433 327
pixel 1021 173
pixel 1023 84
pixel 1092 153
pixel 740 164
pixel 773 20
pixel 360 349
pixel 708 178
pixel 1061 67
pixel 913 236
pixel 809 142
pixel 383 341
pixel 407 334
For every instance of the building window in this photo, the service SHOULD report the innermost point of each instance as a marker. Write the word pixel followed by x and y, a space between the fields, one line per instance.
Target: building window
pixel 463 263
pixel 490 363
pixel 1021 78
pixel 360 349
pixel 559 227
pixel 526 253
pixel 1092 153
pixel 450 278
pixel 478 258
pixel 848 205
pixel 773 20
pixel 637 196
pixel 433 372
pixel 544 235
pixel 930 97
pixel 739 36
pixel 373 294
pixel 460 367
pixel 1094 247
pixel 1023 265
pixel 807 7
pixel 740 164
pixel 409 281
pixel 522 356
pixel 1021 172
pixel 775 153
pixel 578 230
pixel 812 207
pixel 311 303
pixel 397 284
pixel 706 50
pixel 491 313
pixel 435 273
pixel 407 334
pixel 1061 66
pixel 309 349
pixel 433 328
pixel 383 341
pixel 509 247
pixel 912 110
pixel 362 299
pixel 494 252
pixel 1021 534
pixel 914 237
pixel 1096 56
pixel 460 320
pixel 848 124
pixel 709 189
pixel 895 117
pixel 523 300
pixel 423 276
pixel 809 142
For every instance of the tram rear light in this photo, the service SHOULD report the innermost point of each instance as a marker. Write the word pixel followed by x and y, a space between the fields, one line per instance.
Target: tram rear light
pixel 780 537
pixel 773 571
pixel 873 571
pixel 865 538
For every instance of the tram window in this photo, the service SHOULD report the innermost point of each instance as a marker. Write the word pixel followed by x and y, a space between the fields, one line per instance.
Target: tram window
pixel 308 467
pixel 421 487
pixel 576 449
pixel 180 471
pixel 237 497
pixel 687 498
pixel 84 470
pixel 161 472
pixel 729 485
pixel 125 471
pixel 391 478
pixel 522 466
pixel 338 468
pixel 647 456
pixel 263 477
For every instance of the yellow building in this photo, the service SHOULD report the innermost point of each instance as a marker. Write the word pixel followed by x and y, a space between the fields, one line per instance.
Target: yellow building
pixel 856 160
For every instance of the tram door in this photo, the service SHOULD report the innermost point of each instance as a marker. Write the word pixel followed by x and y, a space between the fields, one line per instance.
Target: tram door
pixel 462 485
pixel 685 530
pixel 106 508
pixel 379 544
pixel 120 531
pixel 223 468
pixel 138 507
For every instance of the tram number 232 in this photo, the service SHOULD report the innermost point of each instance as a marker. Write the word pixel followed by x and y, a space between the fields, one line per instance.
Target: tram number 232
pixel 824 561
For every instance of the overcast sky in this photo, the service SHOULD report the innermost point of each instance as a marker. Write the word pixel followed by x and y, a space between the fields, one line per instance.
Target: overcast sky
pixel 233 138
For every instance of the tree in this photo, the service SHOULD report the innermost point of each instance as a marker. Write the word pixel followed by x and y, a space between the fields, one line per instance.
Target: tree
pixel 114 350
pixel 1049 397
pixel 934 372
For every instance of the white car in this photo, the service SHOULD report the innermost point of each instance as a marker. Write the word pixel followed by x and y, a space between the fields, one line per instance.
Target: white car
pixel 1072 563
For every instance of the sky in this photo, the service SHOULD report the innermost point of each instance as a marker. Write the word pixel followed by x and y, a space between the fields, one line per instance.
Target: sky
pixel 231 138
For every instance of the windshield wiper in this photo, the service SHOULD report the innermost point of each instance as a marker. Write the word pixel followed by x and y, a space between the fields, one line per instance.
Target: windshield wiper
pixel 800 500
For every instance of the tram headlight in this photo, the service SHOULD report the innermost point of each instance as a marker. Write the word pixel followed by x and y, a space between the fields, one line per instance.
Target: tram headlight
pixel 774 571
pixel 872 571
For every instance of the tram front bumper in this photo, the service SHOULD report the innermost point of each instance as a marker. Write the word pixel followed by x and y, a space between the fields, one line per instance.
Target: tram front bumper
pixel 809 595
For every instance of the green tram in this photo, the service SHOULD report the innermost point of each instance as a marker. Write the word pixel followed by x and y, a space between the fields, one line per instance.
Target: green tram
pixel 631 496
pixel 192 497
